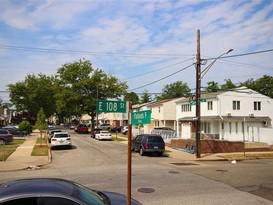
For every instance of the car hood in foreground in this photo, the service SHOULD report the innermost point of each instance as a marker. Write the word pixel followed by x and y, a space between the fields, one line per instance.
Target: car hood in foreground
pixel 118 199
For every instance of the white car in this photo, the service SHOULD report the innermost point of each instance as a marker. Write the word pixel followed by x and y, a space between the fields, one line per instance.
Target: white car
pixel 103 135
pixel 125 130
pixel 61 139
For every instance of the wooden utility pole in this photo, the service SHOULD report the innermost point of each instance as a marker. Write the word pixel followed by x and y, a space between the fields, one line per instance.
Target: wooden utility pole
pixel 197 97
pixel 129 169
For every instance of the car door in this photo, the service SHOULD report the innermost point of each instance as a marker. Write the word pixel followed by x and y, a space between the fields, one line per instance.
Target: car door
pixel 137 142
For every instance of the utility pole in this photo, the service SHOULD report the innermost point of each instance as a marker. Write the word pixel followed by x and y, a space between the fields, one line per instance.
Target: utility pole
pixel 129 157
pixel 197 97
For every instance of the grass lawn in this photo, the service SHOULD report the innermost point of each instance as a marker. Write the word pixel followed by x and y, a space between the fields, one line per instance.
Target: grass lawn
pixel 41 147
pixel 8 149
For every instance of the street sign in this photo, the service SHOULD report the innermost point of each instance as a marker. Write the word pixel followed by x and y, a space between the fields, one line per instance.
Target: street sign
pixel 110 106
pixel 142 117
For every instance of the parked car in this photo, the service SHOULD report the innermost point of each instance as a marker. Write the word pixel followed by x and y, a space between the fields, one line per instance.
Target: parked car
pixel 72 126
pixel 51 133
pixel 94 131
pixel 15 131
pixel 61 139
pixel 125 130
pixel 164 131
pixel 5 136
pixel 56 191
pixel 81 128
pixel 50 127
pixel 103 135
pixel 117 129
pixel 105 126
pixel 148 143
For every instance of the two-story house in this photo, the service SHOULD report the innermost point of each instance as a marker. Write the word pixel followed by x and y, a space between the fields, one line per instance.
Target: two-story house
pixel 163 113
pixel 240 114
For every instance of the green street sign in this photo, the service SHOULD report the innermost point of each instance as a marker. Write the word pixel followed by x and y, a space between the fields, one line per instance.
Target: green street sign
pixel 142 117
pixel 110 106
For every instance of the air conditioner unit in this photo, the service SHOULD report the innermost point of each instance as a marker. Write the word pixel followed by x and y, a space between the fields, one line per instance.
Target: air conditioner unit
pixel 228 114
pixel 251 115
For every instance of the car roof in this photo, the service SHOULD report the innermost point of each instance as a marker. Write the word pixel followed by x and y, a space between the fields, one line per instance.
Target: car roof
pixel 50 186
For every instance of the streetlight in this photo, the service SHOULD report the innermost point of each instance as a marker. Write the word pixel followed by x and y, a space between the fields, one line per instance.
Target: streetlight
pixel 210 65
pixel 198 90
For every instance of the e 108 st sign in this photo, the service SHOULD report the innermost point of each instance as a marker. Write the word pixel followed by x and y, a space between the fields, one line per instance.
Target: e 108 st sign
pixel 110 106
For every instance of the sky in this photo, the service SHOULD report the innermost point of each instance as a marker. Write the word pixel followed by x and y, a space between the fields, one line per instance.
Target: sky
pixel 146 43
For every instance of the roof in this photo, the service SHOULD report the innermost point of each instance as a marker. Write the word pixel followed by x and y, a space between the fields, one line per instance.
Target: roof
pixel 158 103
pixel 209 95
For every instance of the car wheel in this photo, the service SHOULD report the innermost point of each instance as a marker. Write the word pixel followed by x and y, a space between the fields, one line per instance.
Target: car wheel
pixel 141 151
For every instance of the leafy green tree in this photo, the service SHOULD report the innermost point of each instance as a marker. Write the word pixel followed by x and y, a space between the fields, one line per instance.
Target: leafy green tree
pixel 25 126
pixel 145 97
pixel 87 84
pixel 228 85
pixel 174 90
pixel 32 93
pixel 263 85
pixel 132 96
pixel 212 86
pixel 41 123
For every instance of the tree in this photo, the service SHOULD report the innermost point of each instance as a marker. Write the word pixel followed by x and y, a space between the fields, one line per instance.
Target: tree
pixel 132 96
pixel 41 123
pixel 263 85
pixel 228 85
pixel 212 86
pixel 32 93
pixel 145 97
pixel 86 85
pixel 174 90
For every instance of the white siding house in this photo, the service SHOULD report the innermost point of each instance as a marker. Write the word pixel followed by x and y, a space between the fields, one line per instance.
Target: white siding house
pixel 238 115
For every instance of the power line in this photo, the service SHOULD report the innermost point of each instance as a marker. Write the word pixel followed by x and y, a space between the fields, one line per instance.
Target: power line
pixel 162 78
pixel 51 50
pixel 157 69
pixel 242 54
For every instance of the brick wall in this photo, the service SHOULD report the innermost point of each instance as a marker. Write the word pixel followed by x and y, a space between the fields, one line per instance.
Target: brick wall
pixel 216 146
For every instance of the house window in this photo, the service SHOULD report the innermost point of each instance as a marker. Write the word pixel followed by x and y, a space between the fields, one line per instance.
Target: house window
pixel 257 105
pixel 209 103
pixel 236 105
pixel 186 108
pixel 158 109
pixel 205 126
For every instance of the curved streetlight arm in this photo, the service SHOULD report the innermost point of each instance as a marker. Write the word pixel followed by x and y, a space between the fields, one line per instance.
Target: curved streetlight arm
pixel 210 65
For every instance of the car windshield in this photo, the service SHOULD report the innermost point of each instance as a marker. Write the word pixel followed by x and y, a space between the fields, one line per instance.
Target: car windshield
pixel 61 136
pixel 155 139
pixel 88 196
pixel 104 132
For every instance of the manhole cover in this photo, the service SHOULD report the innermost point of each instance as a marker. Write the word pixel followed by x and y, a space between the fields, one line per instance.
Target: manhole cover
pixel 174 172
pixel 184 164
pixel 146 190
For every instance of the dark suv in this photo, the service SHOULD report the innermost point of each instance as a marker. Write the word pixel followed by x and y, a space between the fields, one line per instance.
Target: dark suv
pixel 148 143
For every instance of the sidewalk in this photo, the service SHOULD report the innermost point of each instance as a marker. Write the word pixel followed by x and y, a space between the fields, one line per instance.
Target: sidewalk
pixel 22 159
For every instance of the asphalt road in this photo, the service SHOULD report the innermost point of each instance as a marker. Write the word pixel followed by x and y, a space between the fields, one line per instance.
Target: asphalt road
pixel 102 165
pixel 253 176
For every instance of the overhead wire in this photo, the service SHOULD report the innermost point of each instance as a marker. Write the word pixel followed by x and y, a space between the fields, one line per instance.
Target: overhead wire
pixel 162 78
pixel 157 69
